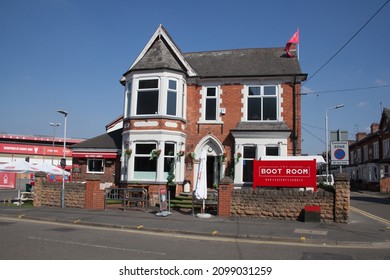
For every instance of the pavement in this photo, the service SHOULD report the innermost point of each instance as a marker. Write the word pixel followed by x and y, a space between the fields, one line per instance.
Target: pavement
pixel 362 230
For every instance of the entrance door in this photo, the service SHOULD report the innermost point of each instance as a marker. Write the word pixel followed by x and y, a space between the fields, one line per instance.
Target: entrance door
pixel 213 168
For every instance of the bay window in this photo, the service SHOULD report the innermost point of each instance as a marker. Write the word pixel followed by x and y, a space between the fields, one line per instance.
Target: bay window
pixel 172 97
pixel 169 157
pixel 147 97
pixel 144 166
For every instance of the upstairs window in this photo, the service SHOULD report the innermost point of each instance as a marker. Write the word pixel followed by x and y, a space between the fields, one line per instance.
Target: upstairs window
pixel 172 98
pixel 262 103
pixel 211 104
pixel 147 98
pixel 128 98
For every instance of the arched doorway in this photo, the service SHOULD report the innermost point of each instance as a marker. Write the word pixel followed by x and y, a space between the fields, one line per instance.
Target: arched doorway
pixel 214 150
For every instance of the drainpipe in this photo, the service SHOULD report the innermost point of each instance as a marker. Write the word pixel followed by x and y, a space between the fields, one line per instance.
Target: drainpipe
pixel 294 136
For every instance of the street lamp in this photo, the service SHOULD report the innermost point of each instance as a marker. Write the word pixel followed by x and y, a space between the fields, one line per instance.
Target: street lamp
pixel 63 160
pixel 326 138
pixel 54 125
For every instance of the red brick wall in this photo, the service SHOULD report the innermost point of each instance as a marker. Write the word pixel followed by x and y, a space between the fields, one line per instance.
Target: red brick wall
pixel 94 196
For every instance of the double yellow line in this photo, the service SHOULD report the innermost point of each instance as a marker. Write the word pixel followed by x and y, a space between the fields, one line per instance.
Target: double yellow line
pixel 369 215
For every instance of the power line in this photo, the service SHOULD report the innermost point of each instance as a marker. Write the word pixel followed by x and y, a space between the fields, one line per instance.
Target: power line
pixel 333 56
pixel 340 90
pixel 315 136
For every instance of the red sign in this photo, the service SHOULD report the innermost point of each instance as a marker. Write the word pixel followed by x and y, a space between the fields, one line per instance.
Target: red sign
pixel 7 180
pixel 284 173
pixel 33 150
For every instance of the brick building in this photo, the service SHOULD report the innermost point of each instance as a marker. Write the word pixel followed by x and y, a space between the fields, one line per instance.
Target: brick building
pixel 370 153
pixel 238 104
pixel 100 156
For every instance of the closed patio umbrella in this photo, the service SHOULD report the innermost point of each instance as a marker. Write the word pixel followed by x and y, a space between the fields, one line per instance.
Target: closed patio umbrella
pixel 201 183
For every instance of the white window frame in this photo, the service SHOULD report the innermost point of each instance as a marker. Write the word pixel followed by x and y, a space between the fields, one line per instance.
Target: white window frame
pixel 95 159
pixel 244 159
pixel 128 91
pixel 262 96
pixel 176 91
pixel 217 103
pixel 144 175
pixel 146 90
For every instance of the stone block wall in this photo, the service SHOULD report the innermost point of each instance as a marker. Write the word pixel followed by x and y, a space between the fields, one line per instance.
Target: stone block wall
pixel 289 203
pixel 283 204
pixel 77 195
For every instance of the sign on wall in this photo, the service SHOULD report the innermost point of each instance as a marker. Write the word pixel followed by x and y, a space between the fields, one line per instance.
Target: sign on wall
pixel 33 150
pixel 7 180
pixel 283 173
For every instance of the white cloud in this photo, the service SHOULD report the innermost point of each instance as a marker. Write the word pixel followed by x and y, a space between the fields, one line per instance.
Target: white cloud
pixel 380 82
pixel 362 104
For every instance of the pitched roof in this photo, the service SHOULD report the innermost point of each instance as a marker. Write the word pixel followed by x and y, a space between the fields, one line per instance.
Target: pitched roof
pixel 161 52
pixel 244 63
pixel 106 141
pixel 159 56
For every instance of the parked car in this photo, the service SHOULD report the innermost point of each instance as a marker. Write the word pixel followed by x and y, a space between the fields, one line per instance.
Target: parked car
pixel 321 179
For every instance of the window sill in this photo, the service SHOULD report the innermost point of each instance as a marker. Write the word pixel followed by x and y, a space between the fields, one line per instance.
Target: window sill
pixel 211 122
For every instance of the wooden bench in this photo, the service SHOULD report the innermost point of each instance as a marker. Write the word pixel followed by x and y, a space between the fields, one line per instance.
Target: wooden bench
pixel 210 203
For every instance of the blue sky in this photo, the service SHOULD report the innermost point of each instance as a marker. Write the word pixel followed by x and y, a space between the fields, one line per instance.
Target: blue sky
pixel 70 55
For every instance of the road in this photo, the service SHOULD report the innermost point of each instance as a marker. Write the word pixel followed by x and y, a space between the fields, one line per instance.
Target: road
pixel 42 240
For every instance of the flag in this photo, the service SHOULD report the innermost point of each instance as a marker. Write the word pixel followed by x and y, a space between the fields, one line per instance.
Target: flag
pixel 293 41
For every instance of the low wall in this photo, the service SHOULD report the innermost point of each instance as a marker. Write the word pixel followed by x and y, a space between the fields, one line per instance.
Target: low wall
pixel 287 203
pixel 77 195
pixel 284 204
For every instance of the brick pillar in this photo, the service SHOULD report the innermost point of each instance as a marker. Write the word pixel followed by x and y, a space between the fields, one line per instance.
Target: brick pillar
pixel 94 196
pixel 40 177
pixel 342 198
pixel 225 196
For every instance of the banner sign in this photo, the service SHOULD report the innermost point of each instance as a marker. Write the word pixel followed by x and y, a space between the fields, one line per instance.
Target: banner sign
pixel 33 150
pixel 284 173
pixel 7 180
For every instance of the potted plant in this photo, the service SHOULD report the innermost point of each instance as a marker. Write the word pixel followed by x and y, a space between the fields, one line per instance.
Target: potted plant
pixel 128 152
pixel 238 156
pixel 155 154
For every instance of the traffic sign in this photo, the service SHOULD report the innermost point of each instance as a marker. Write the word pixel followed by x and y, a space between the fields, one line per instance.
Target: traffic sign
pixel 339 152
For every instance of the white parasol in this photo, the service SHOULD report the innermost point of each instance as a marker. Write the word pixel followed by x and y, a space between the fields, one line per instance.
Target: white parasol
pixel 51 169
pixel 19 167
pixel 201 183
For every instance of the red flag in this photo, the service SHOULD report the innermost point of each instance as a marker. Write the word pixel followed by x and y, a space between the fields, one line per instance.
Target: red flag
pixel 294 40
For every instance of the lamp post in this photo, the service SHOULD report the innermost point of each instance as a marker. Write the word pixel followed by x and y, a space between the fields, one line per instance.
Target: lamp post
pixel 326 138
pixel 63 160
pixel 54 125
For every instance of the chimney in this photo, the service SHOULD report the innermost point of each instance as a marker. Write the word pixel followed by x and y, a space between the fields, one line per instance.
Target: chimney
pixel 360 135
pixel 374 127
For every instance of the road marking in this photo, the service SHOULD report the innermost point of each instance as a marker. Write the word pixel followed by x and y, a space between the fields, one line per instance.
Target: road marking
pixel 369 215
pixel 95 245
pixel 300 243
pixel 311 231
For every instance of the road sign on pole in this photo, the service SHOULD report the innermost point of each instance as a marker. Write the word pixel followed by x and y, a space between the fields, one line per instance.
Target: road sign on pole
pixel 339 153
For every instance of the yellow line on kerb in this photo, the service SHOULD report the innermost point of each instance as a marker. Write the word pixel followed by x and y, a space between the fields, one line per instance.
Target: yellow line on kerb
pixel 369 215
